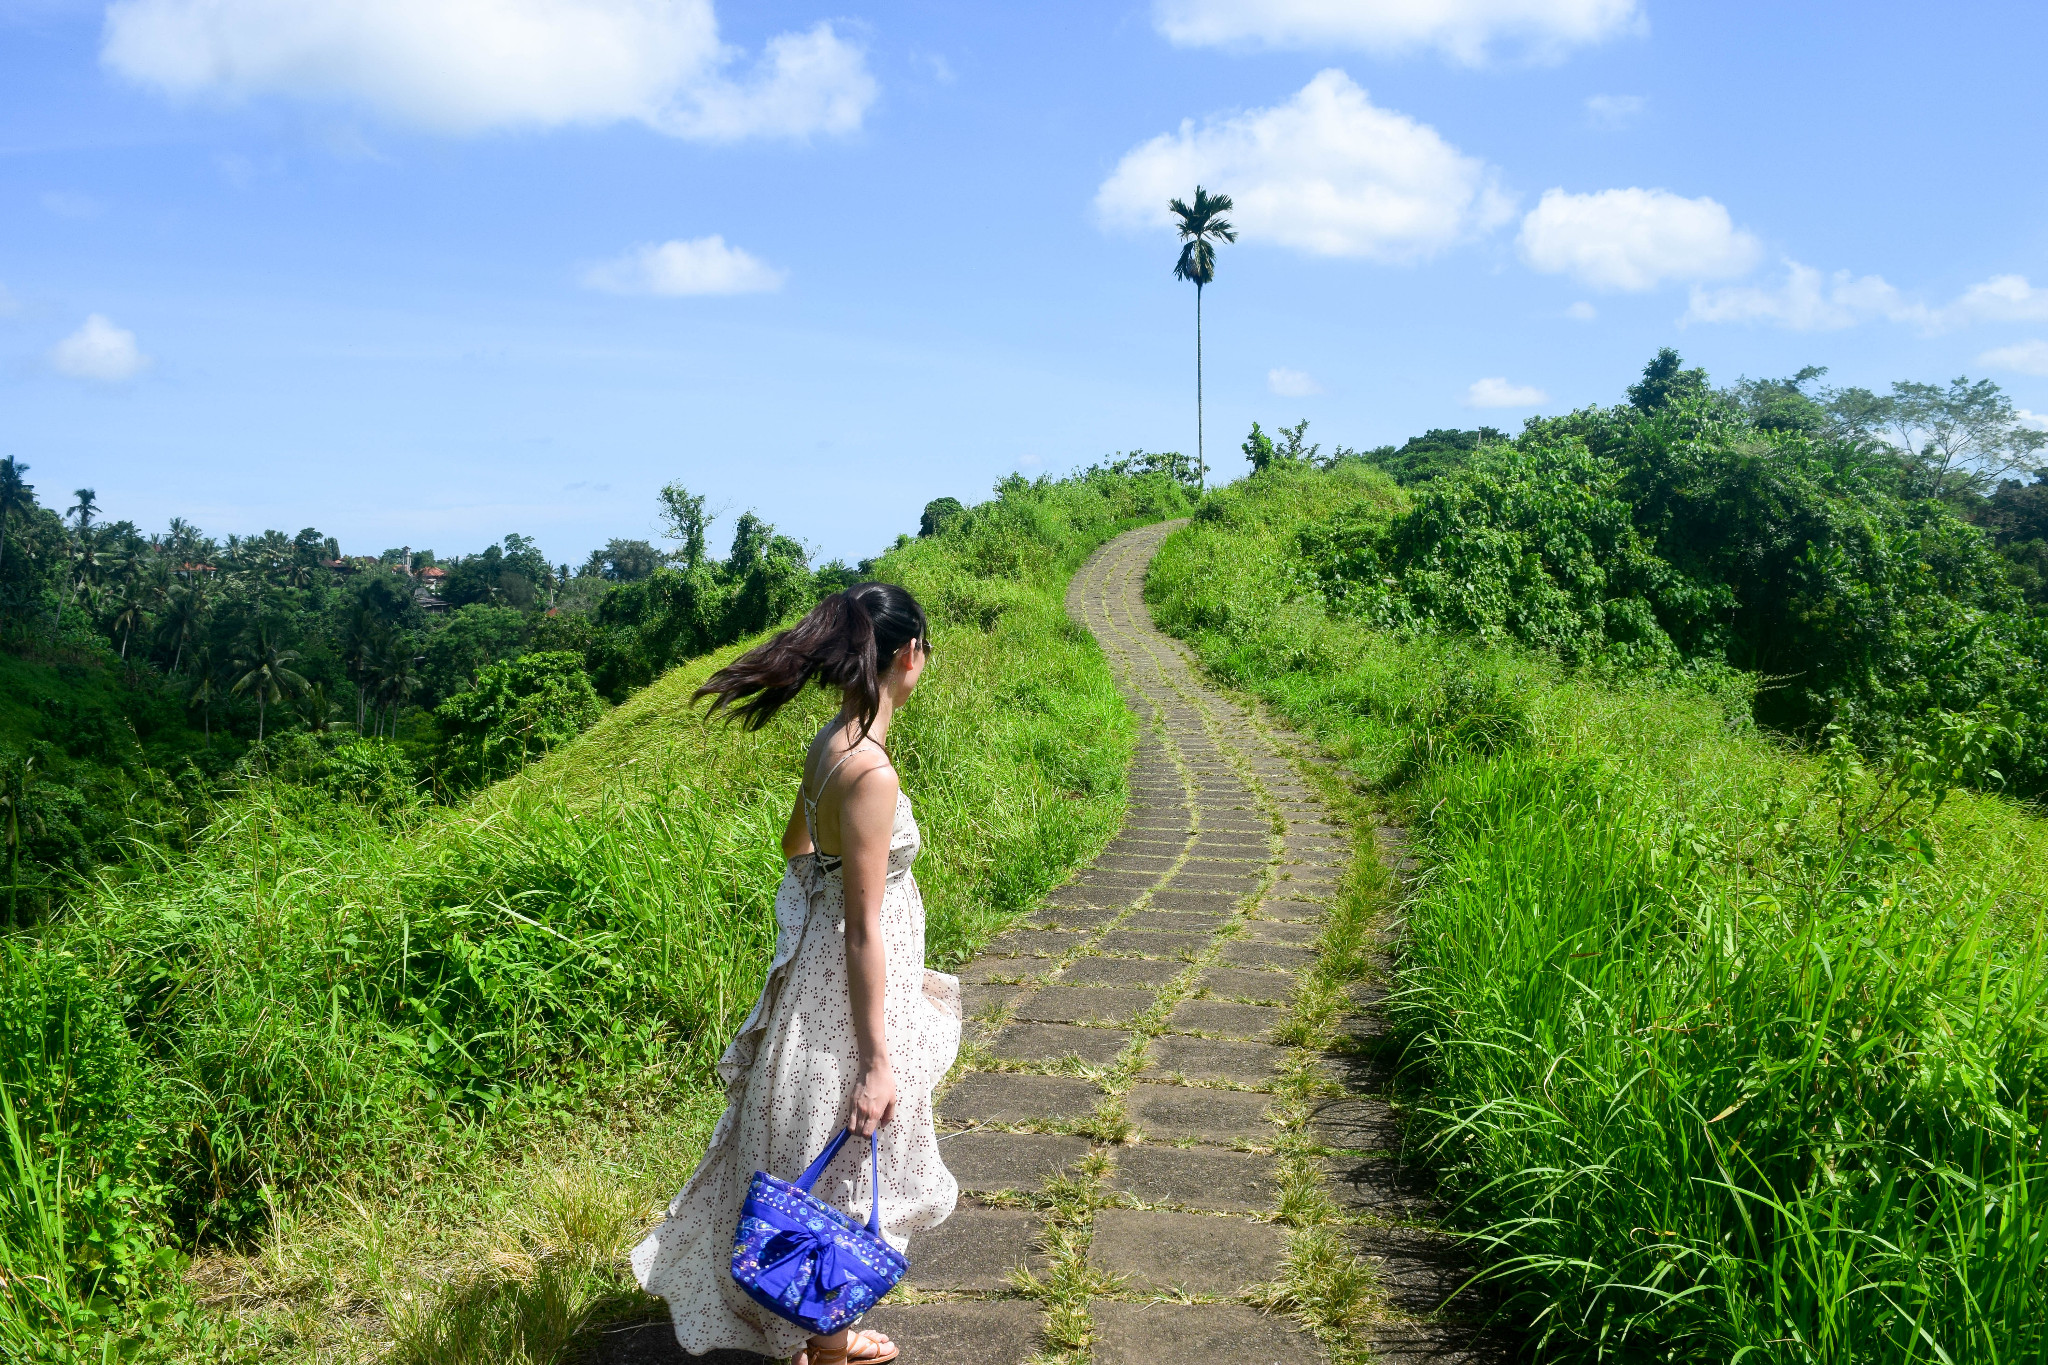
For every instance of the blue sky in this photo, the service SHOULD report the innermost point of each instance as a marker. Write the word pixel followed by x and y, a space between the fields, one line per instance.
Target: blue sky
pixel 427 271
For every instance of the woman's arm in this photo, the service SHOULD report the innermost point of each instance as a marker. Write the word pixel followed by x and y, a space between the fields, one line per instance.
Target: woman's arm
pixel 796 835
pixel 867 819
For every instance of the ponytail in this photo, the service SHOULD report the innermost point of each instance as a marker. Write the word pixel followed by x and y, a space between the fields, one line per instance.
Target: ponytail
pixel 845 642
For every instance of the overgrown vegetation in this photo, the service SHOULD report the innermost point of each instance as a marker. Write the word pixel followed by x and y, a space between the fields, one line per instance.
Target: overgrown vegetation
pixel 1729 1052
pixel 315 1000
pixel 145 676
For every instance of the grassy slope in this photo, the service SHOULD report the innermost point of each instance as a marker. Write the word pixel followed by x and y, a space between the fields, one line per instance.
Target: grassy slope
pixel 1706 1077
pixel 332 1012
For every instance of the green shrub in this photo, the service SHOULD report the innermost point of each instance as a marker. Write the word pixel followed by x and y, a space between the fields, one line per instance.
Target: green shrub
pixel 1727 1053
pixel 517 711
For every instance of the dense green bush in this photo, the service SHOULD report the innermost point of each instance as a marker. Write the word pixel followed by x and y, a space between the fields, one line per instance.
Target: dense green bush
pixel 1679 532
pixel 515 712
pixel 1727 1053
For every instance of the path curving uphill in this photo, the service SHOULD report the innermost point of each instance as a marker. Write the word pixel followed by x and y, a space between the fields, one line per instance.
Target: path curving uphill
pixel 1123 1128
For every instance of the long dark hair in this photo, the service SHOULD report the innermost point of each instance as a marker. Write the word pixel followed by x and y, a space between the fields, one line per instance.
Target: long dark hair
pixel 846 641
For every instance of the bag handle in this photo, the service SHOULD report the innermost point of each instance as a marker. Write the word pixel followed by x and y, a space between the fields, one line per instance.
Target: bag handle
pixel 817 1168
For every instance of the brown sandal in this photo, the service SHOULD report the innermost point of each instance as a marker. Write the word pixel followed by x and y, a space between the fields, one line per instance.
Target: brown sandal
pixel 862 1348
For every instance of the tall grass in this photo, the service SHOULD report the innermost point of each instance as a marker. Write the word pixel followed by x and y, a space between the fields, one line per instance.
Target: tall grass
pixel 312 1001
pixel 1726 1055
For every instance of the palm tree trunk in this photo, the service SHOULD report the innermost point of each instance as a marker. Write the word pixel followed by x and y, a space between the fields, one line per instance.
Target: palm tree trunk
pixel 259 717
pixel 1201 454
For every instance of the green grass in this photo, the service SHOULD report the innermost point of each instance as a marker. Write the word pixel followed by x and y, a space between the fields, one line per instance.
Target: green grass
pixel 330 1023
pixel 1720 1062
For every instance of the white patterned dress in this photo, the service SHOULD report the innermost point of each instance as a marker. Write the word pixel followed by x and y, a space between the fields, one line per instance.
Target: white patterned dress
pixel 789 1079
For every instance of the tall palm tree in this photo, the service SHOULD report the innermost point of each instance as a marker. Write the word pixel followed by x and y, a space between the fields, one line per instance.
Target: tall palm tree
pixel 130 610
pixel 396 682
pixel 267 673
pixel 204 689
pixel 85 509
pixel 19 820
pixel 1201 227
pixel 184 613
pixel 15 496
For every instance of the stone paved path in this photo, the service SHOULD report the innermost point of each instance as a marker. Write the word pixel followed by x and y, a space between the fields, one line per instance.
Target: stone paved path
pixel 1116 1134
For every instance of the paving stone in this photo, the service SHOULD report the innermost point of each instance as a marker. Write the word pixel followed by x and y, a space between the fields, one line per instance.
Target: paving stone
pixel 1243 983
pixel 1241 953
pixel 1033 943
pixel 1281 932
pixel 1212 844
pixel 984 971
pixel 1198 1178
pixel 1136 862
pixel 1199 1253
pixel 1363 1123
pixel 1431 1343
pixel 1161 846
pixel 1144 1334
pixel 1216 1059
pixel 1152 944
pixel 984 1001
pixel 1380 1185
pixel 1186 1111
pixel 975 1250
pixel 1238 883
pixel 1085 1005
pixel 1074 917
pixel 1002 1097
pixel 1196 902
pixel 1099 882
pixel 1063 910
pixel 1174 921
pixel 1119 971
pixel 1222 1017
pixel 1297 912
pixel 986 1162
pixel 1001 1332
pixel 1420 1272
pixel 1050 1042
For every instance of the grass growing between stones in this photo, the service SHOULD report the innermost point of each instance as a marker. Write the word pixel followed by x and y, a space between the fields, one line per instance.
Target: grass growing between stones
pixel 1731 1052
pixel 341 1058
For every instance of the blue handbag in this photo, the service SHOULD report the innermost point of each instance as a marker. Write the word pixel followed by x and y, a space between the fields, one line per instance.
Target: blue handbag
pixel 804 1260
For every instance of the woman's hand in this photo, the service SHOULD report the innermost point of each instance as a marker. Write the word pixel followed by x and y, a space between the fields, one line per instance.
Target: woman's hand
pixel 874 1101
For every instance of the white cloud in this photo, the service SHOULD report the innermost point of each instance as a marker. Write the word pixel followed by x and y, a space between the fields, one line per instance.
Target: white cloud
pixel 1465 30
pixel 2027 357
pixel 1634 239
pixel 2038 421
pixel 1806 301
pixel 703 265
pixel 1582 312
pixel 99 350
pixel 463 66
pixel 1498 393
pixel 1612 112
pixel 1328 172
pixel 2002 298
pixel 1291 383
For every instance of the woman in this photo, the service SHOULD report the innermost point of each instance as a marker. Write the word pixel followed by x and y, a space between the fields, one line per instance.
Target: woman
pixel 851 1030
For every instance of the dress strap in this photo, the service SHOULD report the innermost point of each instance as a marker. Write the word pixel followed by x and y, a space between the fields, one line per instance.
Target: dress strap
pixel 829 861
